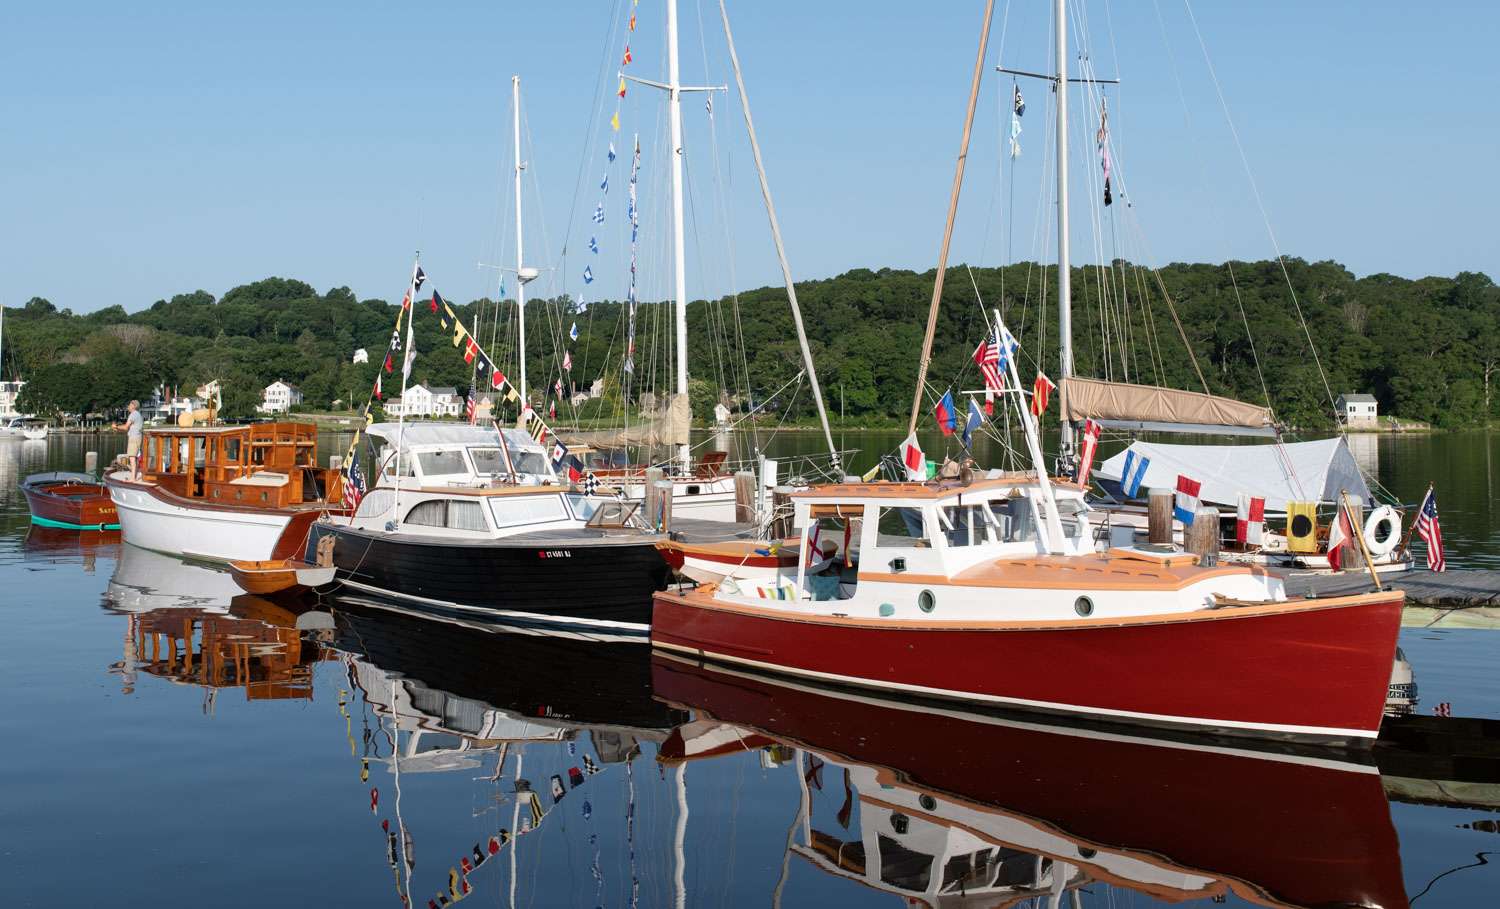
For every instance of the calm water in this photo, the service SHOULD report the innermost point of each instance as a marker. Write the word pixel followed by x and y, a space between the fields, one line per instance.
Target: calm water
pixel 167 739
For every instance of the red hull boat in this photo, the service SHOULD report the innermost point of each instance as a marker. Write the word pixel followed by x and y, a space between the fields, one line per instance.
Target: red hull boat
pixel 1314 670
pixel 1280 828
pixel 71 501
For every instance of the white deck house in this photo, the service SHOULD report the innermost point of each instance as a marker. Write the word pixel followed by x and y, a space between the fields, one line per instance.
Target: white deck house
pixel 424 401
pixel 9 391
pixel 1357 410
pixel 279 397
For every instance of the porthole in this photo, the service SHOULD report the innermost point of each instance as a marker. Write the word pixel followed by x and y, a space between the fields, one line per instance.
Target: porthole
pixel 263 496
pixel 926 601
pixel 1083 606
pixel 1085 852
pixel 239 494
pixel 216 493
pixel 927 802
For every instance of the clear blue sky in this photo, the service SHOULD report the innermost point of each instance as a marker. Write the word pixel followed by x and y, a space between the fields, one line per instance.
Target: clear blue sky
pixel 159 148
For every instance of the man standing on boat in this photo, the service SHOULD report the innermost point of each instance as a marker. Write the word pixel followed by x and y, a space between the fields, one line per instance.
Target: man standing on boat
pixel 133 425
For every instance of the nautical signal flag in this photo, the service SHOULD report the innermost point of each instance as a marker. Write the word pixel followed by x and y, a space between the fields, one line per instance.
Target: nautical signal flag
pixel 418 278
pixel 471 349
pixel 599 213
pixel 621 92
pixel 388 361
pixel 593 245
pixel 975 420
pixel 497 379
pixel 627 49
pixel 436 301
pixel 406 301
pixel 458 333
pixel 947 419
pixel 611 153
pixel 588 275
pixel 1427 528
pixel 1134 474
pixel 1250 523
pixel 559 451
pixel 1090 445
pixel 1186 503
pixel 632 20
pixel 567 361
pixel 1041 392
pixel 615 121
pixel 911 456
pixel 573 332
pixel 411 354
pixel 377 386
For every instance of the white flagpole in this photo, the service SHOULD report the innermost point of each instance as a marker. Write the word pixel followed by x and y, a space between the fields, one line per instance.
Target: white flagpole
pixel 411 312
pixel 1054 534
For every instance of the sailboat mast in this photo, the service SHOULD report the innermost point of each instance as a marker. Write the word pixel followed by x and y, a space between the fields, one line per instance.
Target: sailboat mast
pixel 679 263
pixel 1064 267
pixel 515 107
pixel 786 270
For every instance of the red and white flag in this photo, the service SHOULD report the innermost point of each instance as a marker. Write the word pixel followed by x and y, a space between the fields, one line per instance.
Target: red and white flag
pixel 1251 521
pixel 568 361
pixel 1427 528
pixel 814 543
pixel 1090 444
pixel 911 456
pixel 1339 534
pixel 1041 392
pixel 377 387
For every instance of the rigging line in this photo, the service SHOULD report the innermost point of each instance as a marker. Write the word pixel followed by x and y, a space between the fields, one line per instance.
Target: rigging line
pixel 595 115
pixel 1280 259
pixel 1000 146
pixel 1214 210
pixel 1167 298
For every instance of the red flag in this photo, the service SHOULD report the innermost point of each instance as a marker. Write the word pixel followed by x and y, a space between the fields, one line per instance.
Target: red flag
pixel 627 47
pixel 945 416
pixel 1090 442
pixel 552 411
pixel 911 455
pixel 406 301
pixel 377 385
pixel 989 402
pixel 470 350
pixel 632 21
pixel 497 378
pixel 434 301
pixel 573 475
pixel 1041 391
pixel 1340 533
pixel 387 361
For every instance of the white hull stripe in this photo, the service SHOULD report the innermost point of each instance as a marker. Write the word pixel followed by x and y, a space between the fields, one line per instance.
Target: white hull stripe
pixel 1024 702
pixel 633 629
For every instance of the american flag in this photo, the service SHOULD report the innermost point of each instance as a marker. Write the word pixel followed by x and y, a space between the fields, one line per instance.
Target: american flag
pixel 1427 528
pixel 988 358
pixel 354 487
pixel 471 405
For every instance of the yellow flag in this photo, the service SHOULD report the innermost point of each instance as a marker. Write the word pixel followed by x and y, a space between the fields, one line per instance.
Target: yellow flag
pixel 511 396
pixel 1301 527
pixel 615 121
pixel 622 87
pixel 870 474
pixel 458 333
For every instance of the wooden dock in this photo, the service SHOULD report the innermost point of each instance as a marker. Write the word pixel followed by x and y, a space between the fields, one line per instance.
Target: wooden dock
pixel 1452 589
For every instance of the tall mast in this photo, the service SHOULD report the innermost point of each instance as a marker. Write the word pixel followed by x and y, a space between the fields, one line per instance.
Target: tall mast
pixel 1064 268
pixel 958 182
pixel 679 264
pixel 515 107
pixel 786 270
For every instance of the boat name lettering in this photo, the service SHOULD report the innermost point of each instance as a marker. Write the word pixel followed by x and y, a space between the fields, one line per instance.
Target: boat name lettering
pixel 555 554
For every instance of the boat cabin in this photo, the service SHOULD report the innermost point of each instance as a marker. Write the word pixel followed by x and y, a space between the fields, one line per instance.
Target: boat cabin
pixel 260 465
pixel 444 455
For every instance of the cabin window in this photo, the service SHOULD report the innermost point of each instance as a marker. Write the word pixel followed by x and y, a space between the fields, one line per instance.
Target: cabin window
pixel 232 451
pixel 903 868
pixel 899 527
pixel 436 463
pixel 1013 519
pixel 376 502
pixel 526 509
pixel 451 514
pixel 489 461
pixel 585 506
pixel 533 462
pixel 966 525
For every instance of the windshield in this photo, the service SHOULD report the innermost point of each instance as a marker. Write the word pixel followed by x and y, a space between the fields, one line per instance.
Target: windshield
pixel 531 462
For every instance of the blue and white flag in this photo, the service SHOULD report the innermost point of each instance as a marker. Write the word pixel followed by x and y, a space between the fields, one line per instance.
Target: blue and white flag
pixel 1135 473
pixel 588 275
pixel 1015 132
pixel 599 214
pixel 611 153
pixel 605 185
pixel 1008 345
pixel 976 419
pixel 1019 106
pixel 593 245
pixel 573 332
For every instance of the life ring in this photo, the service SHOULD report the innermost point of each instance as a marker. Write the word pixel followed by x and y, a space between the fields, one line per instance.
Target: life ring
pixel 1383 530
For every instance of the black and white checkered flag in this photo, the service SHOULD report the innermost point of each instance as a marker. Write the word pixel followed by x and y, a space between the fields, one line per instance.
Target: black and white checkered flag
pixel 590 484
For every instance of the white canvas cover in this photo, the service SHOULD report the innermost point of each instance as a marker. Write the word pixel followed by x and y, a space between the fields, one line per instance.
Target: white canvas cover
pixel 1293 471
pixel 671 428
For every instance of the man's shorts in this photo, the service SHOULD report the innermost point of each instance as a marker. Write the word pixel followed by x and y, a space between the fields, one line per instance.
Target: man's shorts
pixel 133 447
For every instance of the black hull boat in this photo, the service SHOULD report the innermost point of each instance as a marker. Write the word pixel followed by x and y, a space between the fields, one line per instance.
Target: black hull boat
pixel 577 579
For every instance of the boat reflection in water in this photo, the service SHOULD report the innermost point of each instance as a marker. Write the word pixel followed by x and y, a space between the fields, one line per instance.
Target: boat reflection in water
pixel 527 716
pixel 947 808
pixel 61 546
pixel 187 624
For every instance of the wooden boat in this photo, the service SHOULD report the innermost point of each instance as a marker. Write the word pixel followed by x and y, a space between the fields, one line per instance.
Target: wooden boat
pixel 714 561
pixel 71 501
pixel 280 576
pixel 991 591
pixel 958 808
pixel 225 493
pixel 441 530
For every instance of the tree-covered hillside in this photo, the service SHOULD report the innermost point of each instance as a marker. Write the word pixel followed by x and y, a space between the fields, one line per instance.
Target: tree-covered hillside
pixel 1428 349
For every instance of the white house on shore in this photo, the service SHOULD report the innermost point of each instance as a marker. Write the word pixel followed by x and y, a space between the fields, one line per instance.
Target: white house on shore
pixel 424 401
pixel 279 397
pixel 1357 410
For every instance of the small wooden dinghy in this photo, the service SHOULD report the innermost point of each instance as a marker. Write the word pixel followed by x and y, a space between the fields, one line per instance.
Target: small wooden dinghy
pixel 283 576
